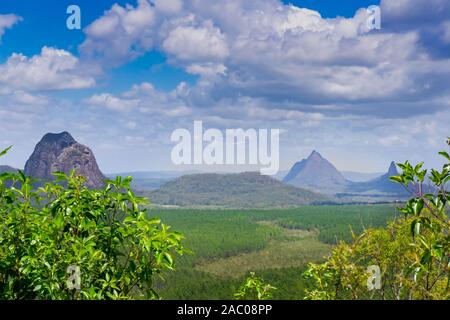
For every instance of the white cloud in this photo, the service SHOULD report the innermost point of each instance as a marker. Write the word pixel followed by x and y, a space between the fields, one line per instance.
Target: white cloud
pixel 266 49
pixel 207 69
pixel 205 43
pixel 415 13
pixel 26 98
pixel 391 141
pixel 52 69
pixel 180 111
pixel 140 90
pixel 168 6
pixel 112 102
pixel 7 21
pixel 121 34
pixel 142 98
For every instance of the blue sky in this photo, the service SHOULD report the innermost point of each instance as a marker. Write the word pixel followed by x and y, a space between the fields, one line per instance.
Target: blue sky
pixel 137 70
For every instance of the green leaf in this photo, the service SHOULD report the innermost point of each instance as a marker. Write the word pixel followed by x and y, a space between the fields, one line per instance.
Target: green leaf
pixel 397 179
pixel 445 154
pixel 4 152
pixel 415 228
pixel 168 258
pixel 418 206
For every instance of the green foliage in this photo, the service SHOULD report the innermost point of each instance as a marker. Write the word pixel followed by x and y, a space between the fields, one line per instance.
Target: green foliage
pixel 46 231
pixel 412 253
pixel 254 288
pixel 3 152
pixel 344 275
pixel 430 223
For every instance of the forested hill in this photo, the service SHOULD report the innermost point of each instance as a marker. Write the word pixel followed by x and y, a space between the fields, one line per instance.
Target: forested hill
pixel 243 190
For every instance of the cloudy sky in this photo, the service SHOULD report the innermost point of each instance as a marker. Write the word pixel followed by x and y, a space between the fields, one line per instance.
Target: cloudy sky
pixel 137 70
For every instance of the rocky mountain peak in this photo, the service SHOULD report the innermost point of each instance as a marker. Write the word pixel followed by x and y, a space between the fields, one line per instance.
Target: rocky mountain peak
pixel 61 152
pixel 63 139
pixel 392 169
pixel 315 156
pixel 316 173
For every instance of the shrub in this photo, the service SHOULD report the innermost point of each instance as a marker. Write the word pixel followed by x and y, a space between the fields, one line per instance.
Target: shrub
pixel 413 253
pixel 65 241
pixel 254 288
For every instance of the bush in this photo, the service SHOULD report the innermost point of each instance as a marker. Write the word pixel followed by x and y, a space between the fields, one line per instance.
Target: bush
pixel 412 254
pixel 254 288
pixel 65 241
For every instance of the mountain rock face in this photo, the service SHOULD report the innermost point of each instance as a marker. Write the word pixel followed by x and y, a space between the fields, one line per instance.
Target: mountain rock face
pixel 60 152
pixel 240 190
pixel 318 174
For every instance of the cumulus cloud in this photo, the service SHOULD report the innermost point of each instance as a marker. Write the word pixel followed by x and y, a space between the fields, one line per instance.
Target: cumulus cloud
pixel 25 98
pixel 52 69
pixel 407 14
pixel 111 102
pixel 282 53
pixel 427 18
pixel 168 7
pixel 121 34
pixel 141 98
pixel 390 141
pixel 204 43
pixel 7 21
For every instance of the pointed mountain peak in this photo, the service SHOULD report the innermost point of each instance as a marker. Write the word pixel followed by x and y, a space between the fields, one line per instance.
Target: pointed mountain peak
pixel 393 169
pixel 315 155
pixel 316 173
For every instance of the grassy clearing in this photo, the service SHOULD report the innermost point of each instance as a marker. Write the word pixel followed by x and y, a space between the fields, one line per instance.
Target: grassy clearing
pixel 276 255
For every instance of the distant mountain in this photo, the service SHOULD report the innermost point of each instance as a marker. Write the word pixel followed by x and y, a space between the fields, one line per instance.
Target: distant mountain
pixel 8 169
pixel 360 176
pixel 242 190
pixel 381 184
pixel 4 169
pixel 280 175
pixel 60 152
pixel 150 180
pixel 318 174
pixel 151 174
